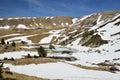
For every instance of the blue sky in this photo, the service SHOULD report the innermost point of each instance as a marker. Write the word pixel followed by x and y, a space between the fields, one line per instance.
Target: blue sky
pixel 75 8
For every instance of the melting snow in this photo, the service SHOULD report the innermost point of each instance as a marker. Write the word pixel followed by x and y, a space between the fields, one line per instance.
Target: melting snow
pixel 62 24
pixel 72 31
pixel 54 24
pixel 67 23
pixel 51 17
pixel 98 20
pixel 4 27
pixel 1 18
pixel 109 29
pixel 10 35
pixel 21 26
pixel 19 54
pixel 53 33
pixel 46 39
pixel 47 17
pixel 74 20
pixel 84 17
pixel 22 38
pixel 99 23
pixel 62 70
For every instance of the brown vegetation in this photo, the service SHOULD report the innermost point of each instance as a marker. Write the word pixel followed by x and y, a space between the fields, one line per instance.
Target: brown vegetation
pixel 39 22
pixel 9 48
pixel 24 61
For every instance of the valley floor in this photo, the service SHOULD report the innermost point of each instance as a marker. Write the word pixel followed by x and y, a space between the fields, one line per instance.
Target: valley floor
pixel 59 69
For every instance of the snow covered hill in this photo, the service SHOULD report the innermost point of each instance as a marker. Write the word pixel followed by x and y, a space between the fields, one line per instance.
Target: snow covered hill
pixel 94 30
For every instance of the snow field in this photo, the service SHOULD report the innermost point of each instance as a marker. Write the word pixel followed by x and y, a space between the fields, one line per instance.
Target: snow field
pixel 18 54
pixel 62 70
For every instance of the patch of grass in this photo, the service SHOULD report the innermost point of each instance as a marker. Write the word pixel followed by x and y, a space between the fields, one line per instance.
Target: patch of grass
pixel 12 49
pixel 5 32
pixel 99 68
pixel 37 38
pixel 25 61
pixel 92 68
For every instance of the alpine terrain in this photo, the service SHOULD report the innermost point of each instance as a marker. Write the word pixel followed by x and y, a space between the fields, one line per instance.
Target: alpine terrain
pixel 61 47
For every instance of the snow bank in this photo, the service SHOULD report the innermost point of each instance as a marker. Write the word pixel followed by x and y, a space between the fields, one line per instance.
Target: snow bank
pixel 62 70
pixel 89 58
pixel 4 27
pixel 17 54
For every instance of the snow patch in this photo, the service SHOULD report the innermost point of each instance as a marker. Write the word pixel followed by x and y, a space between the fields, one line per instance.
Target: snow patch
pixel 4 27
pixel 72 31
pixel 15 55
pixel 47 17
pixel 98 20
pixel 22 38
pixel 74 20
pixel 54 24
pixel 46 39
pixel 62 24
pixel 51 17
pixel 10 35
pixel 21 26
pixel 67 23
pixel 53 33
pixel 1 18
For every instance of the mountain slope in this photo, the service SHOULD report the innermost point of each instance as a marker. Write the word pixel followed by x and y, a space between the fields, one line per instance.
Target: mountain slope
pixel 92 30
pixel 100 27
pixel 35 22
pixel 93 41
